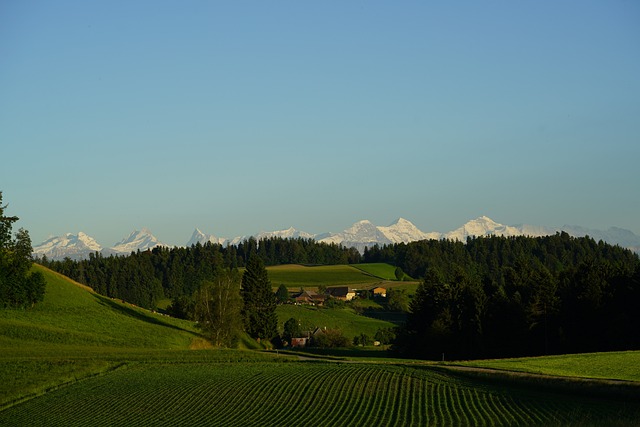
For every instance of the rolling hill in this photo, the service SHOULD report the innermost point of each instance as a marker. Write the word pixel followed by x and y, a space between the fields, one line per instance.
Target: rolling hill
pixel 73 315
pixel 80 359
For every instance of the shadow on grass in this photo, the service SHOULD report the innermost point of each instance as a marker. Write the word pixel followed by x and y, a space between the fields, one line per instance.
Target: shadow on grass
pixel 395 317
pixel 138 315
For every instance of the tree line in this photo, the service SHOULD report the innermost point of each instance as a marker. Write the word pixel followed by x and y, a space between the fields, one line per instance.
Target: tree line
pixel 517 296
pixel 145 277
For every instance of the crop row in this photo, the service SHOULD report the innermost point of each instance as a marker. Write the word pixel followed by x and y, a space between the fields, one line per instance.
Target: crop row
pixel 287 394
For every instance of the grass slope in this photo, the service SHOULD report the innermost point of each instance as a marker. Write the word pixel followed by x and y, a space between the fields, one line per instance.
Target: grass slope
pixel 73 315
pixel 380 270
pixel 75 333
pixel 345 319
pixel 613 366
pixel 297 276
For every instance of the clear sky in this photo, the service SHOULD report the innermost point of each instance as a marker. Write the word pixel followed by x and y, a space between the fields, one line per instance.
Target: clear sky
pixel 239 117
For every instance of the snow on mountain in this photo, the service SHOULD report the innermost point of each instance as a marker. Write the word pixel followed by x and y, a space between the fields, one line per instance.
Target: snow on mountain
pixel 137 240
pixel 360 235
pixel 74 246
pixel 289 233
pixel 202 238
pixel 481 226
pixel 403 231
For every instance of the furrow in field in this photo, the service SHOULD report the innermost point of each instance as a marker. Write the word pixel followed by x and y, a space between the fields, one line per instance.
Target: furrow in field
pixel 359 408
pixel 338 397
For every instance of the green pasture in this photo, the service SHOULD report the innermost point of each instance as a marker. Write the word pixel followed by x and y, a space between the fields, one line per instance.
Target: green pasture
pixel 300 276
pixel 380 270
pixel 71 315
pixel 345 319
pixel 614 365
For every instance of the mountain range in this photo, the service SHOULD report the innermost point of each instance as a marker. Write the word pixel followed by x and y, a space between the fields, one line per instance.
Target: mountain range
pixel 360 235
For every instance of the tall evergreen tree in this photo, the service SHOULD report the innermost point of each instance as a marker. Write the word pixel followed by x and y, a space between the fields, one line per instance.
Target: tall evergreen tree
pixel 259 311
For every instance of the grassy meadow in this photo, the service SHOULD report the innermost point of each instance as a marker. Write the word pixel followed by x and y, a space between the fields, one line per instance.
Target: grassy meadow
pixel 623 365
pixel 296 276
pixel 79 359
pixel 345 319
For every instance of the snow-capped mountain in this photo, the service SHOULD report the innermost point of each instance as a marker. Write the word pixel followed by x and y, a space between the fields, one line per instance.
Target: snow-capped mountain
pixel 74 246
pixel 483 226
pixel 403 231
pixel 360 235
pixel 289 233
pixel 137 240
pixel 202 238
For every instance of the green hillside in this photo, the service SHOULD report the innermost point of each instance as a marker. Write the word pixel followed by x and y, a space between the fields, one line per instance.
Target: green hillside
pixel 381 270
pixel 73 315
pixel 75 333
pixel 624 365
pixel 296 276
pixel 345 319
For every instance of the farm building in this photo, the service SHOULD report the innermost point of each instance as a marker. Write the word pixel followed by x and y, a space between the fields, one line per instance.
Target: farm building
pixel 379 291
pixel 299 342
pixel 308 297
pixel 306 338
pixel 343 293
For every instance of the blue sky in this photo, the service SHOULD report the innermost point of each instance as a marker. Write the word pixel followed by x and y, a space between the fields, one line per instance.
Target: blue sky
pixel 240 117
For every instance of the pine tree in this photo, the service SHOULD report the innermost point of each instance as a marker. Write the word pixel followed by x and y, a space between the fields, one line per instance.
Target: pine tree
pixel 259 311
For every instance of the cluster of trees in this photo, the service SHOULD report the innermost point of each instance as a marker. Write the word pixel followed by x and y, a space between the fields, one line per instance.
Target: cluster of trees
pixel 231 302
pixel 19 286
pixel 502 297
pixel 144 278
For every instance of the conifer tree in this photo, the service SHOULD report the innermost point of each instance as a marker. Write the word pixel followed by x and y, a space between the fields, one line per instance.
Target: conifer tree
pixel 259 311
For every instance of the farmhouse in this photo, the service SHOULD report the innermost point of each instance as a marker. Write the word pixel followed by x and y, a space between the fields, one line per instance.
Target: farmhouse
pixel 308 297
pixel 343 293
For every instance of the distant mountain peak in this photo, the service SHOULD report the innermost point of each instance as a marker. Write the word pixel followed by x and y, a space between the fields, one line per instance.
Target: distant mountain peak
pixel 137 240
pixel 199 236
pixel 74 246
pixel 360 235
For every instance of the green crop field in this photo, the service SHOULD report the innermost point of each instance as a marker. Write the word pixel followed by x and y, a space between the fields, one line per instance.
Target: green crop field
pixel 614 365
pixel 345 319
pixel 79 359
pixel 303 393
